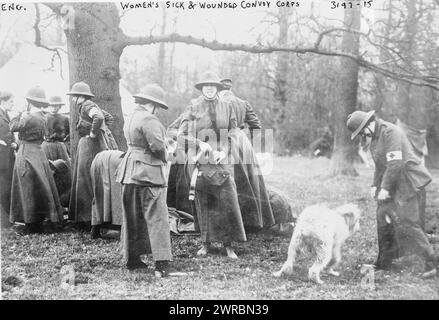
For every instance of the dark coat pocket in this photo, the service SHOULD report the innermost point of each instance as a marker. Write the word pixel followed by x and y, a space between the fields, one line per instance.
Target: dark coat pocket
pixel 215 175
pixel 146 173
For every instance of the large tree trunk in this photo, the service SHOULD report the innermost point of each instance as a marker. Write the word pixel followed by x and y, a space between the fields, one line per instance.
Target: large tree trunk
pixel 281 76
pixel 344 150
pixel 404 101
pixel 94 59
pixel 160 76
pixel 380 98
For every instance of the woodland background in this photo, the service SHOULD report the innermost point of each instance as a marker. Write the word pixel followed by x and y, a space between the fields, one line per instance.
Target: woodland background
pixel 303 69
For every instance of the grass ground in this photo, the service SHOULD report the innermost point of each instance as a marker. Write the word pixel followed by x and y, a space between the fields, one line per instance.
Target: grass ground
pixel 31 264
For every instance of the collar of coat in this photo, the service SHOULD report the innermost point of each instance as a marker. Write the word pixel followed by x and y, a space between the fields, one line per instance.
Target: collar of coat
pixel 379 124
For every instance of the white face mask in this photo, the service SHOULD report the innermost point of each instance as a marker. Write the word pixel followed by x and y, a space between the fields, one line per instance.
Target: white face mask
pixel 54 109
pixel 209 91
pixel 77 99
pixel 369 130
pixel 150 108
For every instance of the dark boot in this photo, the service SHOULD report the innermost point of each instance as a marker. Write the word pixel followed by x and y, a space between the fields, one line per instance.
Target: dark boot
pixel 83 226
pixel 383 263
pixel 96 232
pixel 133 264
pixel 164 269
pixel 35 227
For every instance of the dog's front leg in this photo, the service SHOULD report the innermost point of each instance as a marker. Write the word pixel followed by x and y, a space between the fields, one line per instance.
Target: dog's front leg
pixel 287 268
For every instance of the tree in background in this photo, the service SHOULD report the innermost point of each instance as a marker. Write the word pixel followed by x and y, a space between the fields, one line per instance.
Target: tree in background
pixel 344 151
pixel 96 42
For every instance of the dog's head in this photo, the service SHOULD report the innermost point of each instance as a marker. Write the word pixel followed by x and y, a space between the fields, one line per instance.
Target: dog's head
pixel 351 214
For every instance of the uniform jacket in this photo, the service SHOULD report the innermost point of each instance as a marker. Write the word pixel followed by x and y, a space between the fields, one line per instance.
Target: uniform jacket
pixel 6 152
pixel 57 127
pixel 97 124
pixel 203 120
pixel 31 128
pixel 244 111
pixel 144 162
pixel 394 156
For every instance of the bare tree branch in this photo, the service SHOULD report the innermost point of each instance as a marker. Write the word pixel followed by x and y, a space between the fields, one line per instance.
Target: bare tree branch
pixel 408 77
pixel 38 42
pixel 56 7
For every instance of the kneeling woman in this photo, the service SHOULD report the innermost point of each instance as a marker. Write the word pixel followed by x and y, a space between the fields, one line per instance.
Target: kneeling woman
pixel 216 199
pixel 34 196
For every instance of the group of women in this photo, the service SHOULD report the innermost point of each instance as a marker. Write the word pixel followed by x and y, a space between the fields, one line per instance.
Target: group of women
pixel 216 177
pixel 222 212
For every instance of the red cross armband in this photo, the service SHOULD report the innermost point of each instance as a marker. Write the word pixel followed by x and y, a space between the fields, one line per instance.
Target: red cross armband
pixel 393 155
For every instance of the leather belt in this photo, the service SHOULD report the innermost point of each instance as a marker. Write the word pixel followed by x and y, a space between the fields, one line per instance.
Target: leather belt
pixel 137 148
pixel 194 177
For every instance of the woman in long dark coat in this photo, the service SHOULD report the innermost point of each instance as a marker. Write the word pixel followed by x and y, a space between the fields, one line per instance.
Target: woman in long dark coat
pixel 216 200
pixel 57 132
pixel 34 197
pixel 7 156
pixel 94 137
pixel 253 197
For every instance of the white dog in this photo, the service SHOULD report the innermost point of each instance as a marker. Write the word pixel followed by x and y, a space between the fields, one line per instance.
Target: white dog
pixel 331 227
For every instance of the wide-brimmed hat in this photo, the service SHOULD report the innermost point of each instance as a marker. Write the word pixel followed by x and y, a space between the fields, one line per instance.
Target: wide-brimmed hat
pixel 209 77
pixel 153 93
pixel 357 120
pixel 81 89
pixel 56 101
pixel 37 94
pixel 58 165
pixel 226 82
pixel 5 95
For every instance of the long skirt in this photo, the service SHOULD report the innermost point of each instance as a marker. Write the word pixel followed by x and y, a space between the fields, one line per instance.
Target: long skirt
pixel 5 195
pixel 107 201
pixel 145 227
pixel 81 196
pixel 404 235
pixel 218 216
pixel 34 196
pixel 253 197
pixel 178 189
pixel 56 150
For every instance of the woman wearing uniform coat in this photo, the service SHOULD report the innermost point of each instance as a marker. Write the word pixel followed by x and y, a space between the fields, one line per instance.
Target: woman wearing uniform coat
pixel 34 197
pixel 145 227
pixel 398 185
pixel 92 127
pixel 57 132
pixel 205 128
pixel 253 197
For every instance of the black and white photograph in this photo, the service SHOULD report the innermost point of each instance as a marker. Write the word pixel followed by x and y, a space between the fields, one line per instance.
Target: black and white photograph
pixel 231 152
